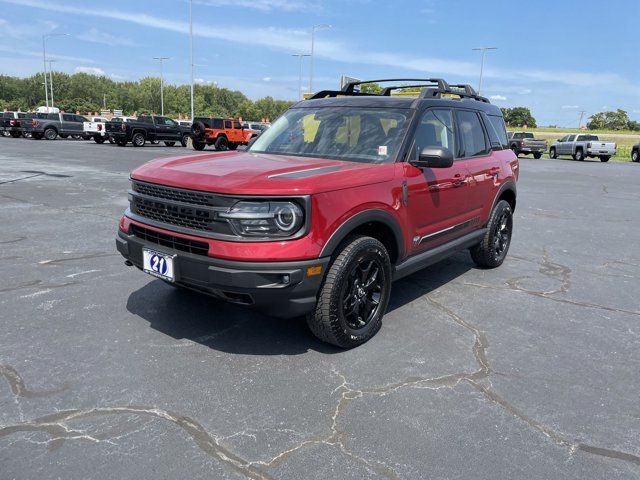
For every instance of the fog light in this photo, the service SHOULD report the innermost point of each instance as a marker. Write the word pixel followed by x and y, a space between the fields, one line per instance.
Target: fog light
pixel 286 279
pixel 311 271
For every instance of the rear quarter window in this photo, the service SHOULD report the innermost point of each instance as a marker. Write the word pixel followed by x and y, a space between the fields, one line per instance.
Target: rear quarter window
pixel 497 130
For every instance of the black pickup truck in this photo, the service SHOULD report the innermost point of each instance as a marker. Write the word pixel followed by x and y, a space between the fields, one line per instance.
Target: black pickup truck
pixel 148 128
pixel 52 125
pixel 13 123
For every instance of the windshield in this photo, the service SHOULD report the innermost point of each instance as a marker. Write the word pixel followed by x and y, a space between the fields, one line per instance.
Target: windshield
pixel 345 133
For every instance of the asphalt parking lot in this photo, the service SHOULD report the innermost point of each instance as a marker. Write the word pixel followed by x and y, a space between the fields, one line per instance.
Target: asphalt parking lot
pixel 528 371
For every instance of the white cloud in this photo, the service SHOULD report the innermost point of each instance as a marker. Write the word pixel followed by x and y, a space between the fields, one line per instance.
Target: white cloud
pixel 263 5
pixel 96 36
pixel 497 97
pixel 266 79
pixel 91 71
pixel 569 107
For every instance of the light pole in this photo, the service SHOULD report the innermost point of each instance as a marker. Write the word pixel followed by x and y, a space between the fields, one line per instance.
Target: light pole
pixel 51 80
pixel 161 59
pixel 313 36
pixel 300 56
pixel 44 60
pixel 191 52
pixel 484 52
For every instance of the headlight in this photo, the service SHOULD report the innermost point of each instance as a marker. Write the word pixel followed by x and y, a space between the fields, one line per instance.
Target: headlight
pixel 265 219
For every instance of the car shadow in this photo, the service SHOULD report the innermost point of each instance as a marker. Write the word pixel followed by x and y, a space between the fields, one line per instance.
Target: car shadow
pixel 182 314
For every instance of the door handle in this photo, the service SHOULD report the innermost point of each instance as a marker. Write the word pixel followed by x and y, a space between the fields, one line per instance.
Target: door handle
pixel 458 180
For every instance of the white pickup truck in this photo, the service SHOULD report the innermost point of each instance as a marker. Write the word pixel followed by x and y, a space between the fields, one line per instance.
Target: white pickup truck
pixel 581 146
pixel 96 129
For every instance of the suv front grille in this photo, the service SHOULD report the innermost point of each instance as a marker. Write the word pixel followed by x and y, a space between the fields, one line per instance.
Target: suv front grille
pixel 170 241
pixel 189 209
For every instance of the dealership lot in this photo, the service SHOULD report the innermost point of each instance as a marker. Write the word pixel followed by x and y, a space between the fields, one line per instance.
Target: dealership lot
pixel 527 371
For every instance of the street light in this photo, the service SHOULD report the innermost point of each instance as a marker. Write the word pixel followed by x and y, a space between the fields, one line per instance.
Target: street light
pixel 51 80
pixel 44 60
pixel 301 56
pixel 191 52
pixel 161 59
pixel 484 51
pixel 313 35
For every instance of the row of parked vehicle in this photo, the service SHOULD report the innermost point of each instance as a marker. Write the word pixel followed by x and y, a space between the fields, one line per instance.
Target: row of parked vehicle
pixel 578 146
pixel 222 133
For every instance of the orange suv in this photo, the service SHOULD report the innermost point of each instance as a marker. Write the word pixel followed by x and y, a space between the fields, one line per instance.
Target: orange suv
pixel 223 133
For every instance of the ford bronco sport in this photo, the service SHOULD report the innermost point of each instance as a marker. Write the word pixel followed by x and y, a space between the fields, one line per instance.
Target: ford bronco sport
pixel 345 193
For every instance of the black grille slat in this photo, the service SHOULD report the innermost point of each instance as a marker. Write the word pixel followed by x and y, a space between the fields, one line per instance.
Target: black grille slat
pixel 171 241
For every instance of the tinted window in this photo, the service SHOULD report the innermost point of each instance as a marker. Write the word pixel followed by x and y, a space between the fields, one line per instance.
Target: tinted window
pixel 22 115
pixel 217 123
pixel 52 116
pixel 145 119
pixel 435 130
pixel 571 138
pixel 67 117
pixel 471 134
pixel 80 118
pixel 227 124
pixel 236 124
pixel 587 138
pixel 497 130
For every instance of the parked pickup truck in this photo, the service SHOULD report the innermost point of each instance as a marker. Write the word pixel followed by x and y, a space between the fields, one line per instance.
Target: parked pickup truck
pixel 223 133
pixel 52 125
pixel 96 129
pixel 11 123
pixel 583 145
pixel 148 128
pixel 525 143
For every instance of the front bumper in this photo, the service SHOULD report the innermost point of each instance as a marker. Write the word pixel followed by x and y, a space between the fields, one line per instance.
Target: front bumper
pixel 280 289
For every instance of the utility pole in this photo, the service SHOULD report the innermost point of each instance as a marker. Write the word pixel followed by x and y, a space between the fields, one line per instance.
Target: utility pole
pixel 313 35
pixel 582 112
pixel 484 52
pixel 161 59
pixel 191 53
pixel 300 56
pixel 44 60
pixel 51 80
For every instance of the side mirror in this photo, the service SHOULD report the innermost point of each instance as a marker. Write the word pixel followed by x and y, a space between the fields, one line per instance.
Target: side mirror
pixel 434 157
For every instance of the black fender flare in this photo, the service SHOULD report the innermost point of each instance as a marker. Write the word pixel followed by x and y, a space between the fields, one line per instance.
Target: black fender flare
pixel 362 218
pixel 506 186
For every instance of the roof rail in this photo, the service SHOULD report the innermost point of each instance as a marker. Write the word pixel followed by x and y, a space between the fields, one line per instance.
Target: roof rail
pixel 431 87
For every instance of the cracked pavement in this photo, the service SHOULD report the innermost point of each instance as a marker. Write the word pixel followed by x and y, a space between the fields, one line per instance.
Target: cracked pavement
pixel 528 371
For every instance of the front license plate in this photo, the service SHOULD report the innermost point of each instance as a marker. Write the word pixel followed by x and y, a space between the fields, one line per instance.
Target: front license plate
pixel 158 264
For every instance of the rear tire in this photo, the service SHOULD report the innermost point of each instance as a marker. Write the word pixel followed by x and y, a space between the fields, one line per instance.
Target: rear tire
pixel 36 136
pixel 552 153
pixel 122 143
pixel 493 248
pixel 604 158
pixel 169 144
pixel 233 146
pixel 635 156
pixel 138 140
pixel 50 134
pixel 99 139
pixel 354 295
pixel 16 134
pixel 222 144
pixel 183 140
pixel 199 145
pixel 579 155
pixel 111 140
pixel 537 156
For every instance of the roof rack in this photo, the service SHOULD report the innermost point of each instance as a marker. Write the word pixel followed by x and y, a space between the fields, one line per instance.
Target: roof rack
pixel 431 87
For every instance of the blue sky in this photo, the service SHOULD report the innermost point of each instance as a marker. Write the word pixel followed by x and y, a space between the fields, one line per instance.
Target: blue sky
pixel 555 57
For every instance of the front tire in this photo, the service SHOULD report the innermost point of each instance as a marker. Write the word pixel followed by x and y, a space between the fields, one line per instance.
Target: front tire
pixel 537 156
pixel 514 149
pixel 553 154
pixel 138 140
pixel 354 295
pixel 492 250
pixel 222 144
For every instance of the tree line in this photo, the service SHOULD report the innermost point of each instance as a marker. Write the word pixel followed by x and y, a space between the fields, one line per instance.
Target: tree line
pixel 89 93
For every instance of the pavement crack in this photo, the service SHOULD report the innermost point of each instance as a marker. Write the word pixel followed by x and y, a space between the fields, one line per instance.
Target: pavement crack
pixel 55 425
pixel 18 387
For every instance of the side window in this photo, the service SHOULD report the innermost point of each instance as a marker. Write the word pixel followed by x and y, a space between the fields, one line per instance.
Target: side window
pixel 67 117
pixel 472 135
pixel 435 130
pixel 217 123
pixel 571 138
pixel 497 130
pixel 80 118
pixel 237 125
pixel 52 116
pixel 227 124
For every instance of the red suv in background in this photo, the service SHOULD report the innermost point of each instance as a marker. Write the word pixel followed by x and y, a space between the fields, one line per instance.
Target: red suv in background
pixel 345 193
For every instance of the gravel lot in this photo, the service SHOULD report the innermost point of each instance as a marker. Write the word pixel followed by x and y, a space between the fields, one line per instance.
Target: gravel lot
pixel 529 371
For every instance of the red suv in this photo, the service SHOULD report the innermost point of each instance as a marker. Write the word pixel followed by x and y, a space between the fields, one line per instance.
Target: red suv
pixel 345 193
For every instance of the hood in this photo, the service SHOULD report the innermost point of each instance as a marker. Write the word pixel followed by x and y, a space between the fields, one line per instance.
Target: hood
pixel 261 174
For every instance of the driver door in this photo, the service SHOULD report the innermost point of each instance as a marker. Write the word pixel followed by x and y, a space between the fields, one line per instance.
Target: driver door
pixel 437 198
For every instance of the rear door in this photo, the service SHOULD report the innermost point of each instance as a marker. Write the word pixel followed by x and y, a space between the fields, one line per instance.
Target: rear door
pixel 162 130
pixel 476 154
pixel 437 198
pixel 68 124
pixel 567 146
